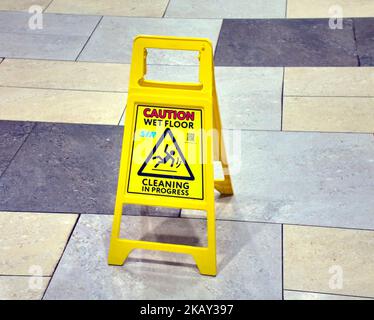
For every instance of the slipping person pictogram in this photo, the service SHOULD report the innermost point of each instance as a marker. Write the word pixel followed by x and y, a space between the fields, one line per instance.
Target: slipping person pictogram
pixel 170 162
pixel 164 160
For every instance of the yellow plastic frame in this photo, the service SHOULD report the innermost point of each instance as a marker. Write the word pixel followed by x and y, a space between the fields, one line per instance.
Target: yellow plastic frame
pixel 201 95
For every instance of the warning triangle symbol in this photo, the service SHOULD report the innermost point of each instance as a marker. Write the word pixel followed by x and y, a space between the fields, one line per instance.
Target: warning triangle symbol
pixel 166 160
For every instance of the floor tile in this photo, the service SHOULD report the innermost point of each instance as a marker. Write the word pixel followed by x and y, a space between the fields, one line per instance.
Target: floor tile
pixel 145 8
pixel 285 42
pixel 364 31
pixel 64 168
pixel 249 98
pixel 22 288
pixel 58 75
pixel 300 178
pixel 22 5
pixel 329 82
pixel 53 24
pixel 329 260
pixel 328 114
pixel 62 36
pixel 325 8
pixel 61 105
pixel 41 46
pixel 32 243
pixel 249 262
pixel 299 295
pixel 226 9
pixel 12 135
pixel 112 40
pixel 68 168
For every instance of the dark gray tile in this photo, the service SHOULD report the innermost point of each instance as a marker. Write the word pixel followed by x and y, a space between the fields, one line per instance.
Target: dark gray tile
pixel 12 135
pixel 66 168
pixel 285 42
pixel 364 30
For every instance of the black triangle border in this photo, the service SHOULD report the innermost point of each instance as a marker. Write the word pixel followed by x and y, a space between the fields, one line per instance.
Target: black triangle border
pixel 140 171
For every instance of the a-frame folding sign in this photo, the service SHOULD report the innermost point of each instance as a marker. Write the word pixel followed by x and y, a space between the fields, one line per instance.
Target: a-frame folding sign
pixel 168 151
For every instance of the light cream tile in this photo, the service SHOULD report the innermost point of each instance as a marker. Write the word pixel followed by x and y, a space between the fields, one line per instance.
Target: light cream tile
pixel 331 81
pixel 65 75
pixel 22 288
pixel 22 5
pixel 61 106
pixel 327 260
pixel 144 8
pixel 321 8
pixel 32 243
pixel 328 114
pixel 299 295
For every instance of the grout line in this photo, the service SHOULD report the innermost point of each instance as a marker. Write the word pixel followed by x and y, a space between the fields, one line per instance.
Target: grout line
pixel 282 259
pixel 16 153
pixel 216 46
pixel 285 13
pixel 355 40
pixel 166 8
pixel 61 89
pixel 44 10
pixel 62 254
pixel 282 99
pixel 284 224
pixel 24 275
pixel 198 218
pixel 122 115
pixel 89 38
pixel 328 293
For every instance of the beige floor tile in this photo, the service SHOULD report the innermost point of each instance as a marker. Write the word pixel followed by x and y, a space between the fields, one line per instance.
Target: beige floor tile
pixel 328 114
pixel 22 5
pixel 61 106
pixel 72 75
pixel 327 260
pixel 135 8
pixel 320 8
pixel 331 81
pixel 32 243
pixel 22 288
pixel 298 295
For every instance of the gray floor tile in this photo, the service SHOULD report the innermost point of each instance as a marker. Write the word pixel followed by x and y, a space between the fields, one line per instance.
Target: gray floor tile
pixel 30 46
pixel 364 31
pixel 322 179
pixel 249 262
pixel 12 135
pixel 112 40
pixel 249 98
pixel 226 9
pixel 67 168
pixel 285 42
pixel 62 36
pixel 53 24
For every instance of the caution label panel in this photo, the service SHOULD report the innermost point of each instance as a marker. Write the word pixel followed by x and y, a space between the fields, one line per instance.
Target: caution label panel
pixel 167 153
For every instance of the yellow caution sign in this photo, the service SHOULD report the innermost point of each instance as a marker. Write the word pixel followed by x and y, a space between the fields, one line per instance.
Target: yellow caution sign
pixel 168 151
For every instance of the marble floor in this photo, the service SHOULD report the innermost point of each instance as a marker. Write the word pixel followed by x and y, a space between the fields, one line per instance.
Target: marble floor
pixel 295 83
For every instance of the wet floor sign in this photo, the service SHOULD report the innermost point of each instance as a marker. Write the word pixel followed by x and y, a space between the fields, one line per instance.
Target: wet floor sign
pixel 172 136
